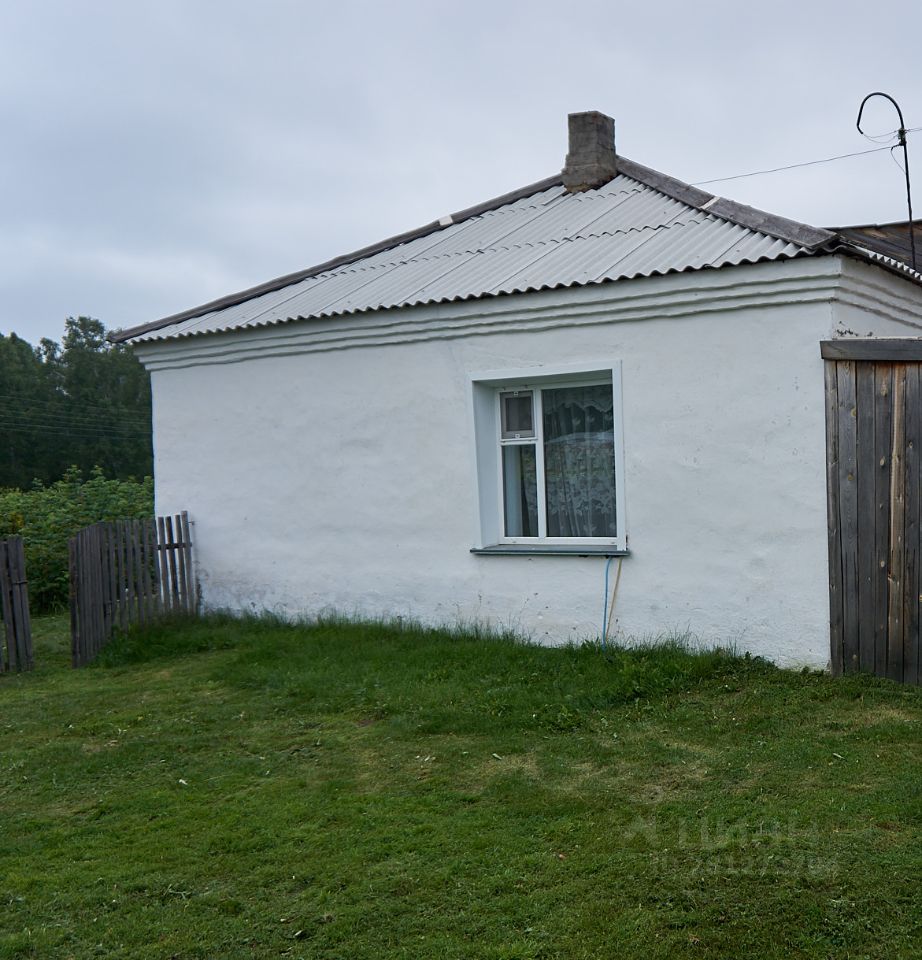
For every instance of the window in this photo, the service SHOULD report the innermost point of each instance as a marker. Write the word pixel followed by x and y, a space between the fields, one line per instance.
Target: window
pixel 549 462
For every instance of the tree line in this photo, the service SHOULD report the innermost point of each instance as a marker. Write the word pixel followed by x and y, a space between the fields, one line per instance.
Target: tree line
pixel 83 402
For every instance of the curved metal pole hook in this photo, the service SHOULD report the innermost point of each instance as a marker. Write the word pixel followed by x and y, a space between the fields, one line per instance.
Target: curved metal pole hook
pixel 877 93
pixel 901 134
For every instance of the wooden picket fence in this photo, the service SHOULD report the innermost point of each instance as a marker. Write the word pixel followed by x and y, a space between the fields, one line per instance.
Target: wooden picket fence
pixel 14 607
pixel 125 572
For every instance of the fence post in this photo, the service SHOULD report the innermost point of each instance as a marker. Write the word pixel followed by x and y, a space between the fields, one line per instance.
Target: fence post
pixel 73 566
pixel 186 558
pixel 14 605
pixel 6 611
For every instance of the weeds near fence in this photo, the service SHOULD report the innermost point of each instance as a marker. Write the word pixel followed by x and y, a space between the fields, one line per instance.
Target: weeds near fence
pixel 47 516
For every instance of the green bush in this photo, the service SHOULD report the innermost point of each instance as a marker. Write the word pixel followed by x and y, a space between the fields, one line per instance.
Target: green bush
pixel 47 516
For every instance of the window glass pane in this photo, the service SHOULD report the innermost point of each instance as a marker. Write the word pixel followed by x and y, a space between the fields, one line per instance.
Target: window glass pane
pixel 579 461
pixel 520 490
pixel 517 415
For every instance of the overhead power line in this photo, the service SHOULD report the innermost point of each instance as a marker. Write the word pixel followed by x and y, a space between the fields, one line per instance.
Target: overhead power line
pixel 63 418
pixel 51 432
pixel 65 429
pixel 790 166
pixel 99 427
pixel 804 163
pixel 109 426
pixel 56 402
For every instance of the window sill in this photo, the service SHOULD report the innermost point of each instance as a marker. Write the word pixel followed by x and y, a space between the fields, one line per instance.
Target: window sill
pixel 549 550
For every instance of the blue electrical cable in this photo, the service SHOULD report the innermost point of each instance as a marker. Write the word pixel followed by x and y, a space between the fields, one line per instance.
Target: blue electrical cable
pixel 605 605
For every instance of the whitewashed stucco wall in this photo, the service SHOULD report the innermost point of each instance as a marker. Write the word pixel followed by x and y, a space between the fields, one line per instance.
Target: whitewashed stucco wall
pixel 329 465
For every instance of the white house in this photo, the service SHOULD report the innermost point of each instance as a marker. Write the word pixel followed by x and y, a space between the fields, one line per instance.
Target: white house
pixel 608 376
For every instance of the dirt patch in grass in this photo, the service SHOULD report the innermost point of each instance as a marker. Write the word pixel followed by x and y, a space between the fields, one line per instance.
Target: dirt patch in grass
pixel 880 713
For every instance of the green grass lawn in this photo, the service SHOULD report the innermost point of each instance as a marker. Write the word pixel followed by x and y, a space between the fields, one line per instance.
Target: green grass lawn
pixel 252 790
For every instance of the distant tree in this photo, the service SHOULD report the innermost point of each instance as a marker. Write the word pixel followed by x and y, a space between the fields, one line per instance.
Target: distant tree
pixel 82 403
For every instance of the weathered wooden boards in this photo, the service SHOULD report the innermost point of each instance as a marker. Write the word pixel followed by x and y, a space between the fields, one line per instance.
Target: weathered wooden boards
pixel 873 445
pixel 124 572
pixel 14 607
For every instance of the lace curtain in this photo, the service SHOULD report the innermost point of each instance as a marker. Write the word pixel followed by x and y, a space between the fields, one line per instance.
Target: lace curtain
pixel 579 461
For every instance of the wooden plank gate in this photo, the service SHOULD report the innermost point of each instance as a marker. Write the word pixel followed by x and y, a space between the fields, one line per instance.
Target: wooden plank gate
pixel 14 607
pixel 125 572
pixel 873 447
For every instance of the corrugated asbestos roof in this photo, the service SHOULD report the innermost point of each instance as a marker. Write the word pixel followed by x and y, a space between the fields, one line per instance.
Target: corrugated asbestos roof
pixel 640 224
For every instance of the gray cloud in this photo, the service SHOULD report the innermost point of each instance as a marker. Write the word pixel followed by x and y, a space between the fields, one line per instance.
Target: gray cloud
pixel 158 154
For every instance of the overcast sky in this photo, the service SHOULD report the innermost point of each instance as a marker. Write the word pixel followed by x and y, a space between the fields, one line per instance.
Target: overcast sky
pixel 156 155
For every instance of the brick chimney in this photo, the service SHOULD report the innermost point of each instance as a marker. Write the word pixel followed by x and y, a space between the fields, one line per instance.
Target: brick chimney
pixel 592 160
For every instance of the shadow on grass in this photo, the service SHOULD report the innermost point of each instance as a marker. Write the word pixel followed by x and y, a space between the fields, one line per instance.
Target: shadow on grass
pixel 455 679
pixel 181 635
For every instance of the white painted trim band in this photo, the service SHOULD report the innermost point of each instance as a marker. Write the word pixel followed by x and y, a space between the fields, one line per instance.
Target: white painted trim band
pixel 678 295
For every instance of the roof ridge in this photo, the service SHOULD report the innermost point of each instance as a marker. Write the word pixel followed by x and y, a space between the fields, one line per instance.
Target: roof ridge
pixel 792 231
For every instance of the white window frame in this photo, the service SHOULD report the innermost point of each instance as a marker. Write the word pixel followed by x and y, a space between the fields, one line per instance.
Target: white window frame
pixel 486 389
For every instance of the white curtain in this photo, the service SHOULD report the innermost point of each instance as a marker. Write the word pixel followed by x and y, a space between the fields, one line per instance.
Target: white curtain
pixel 579 461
